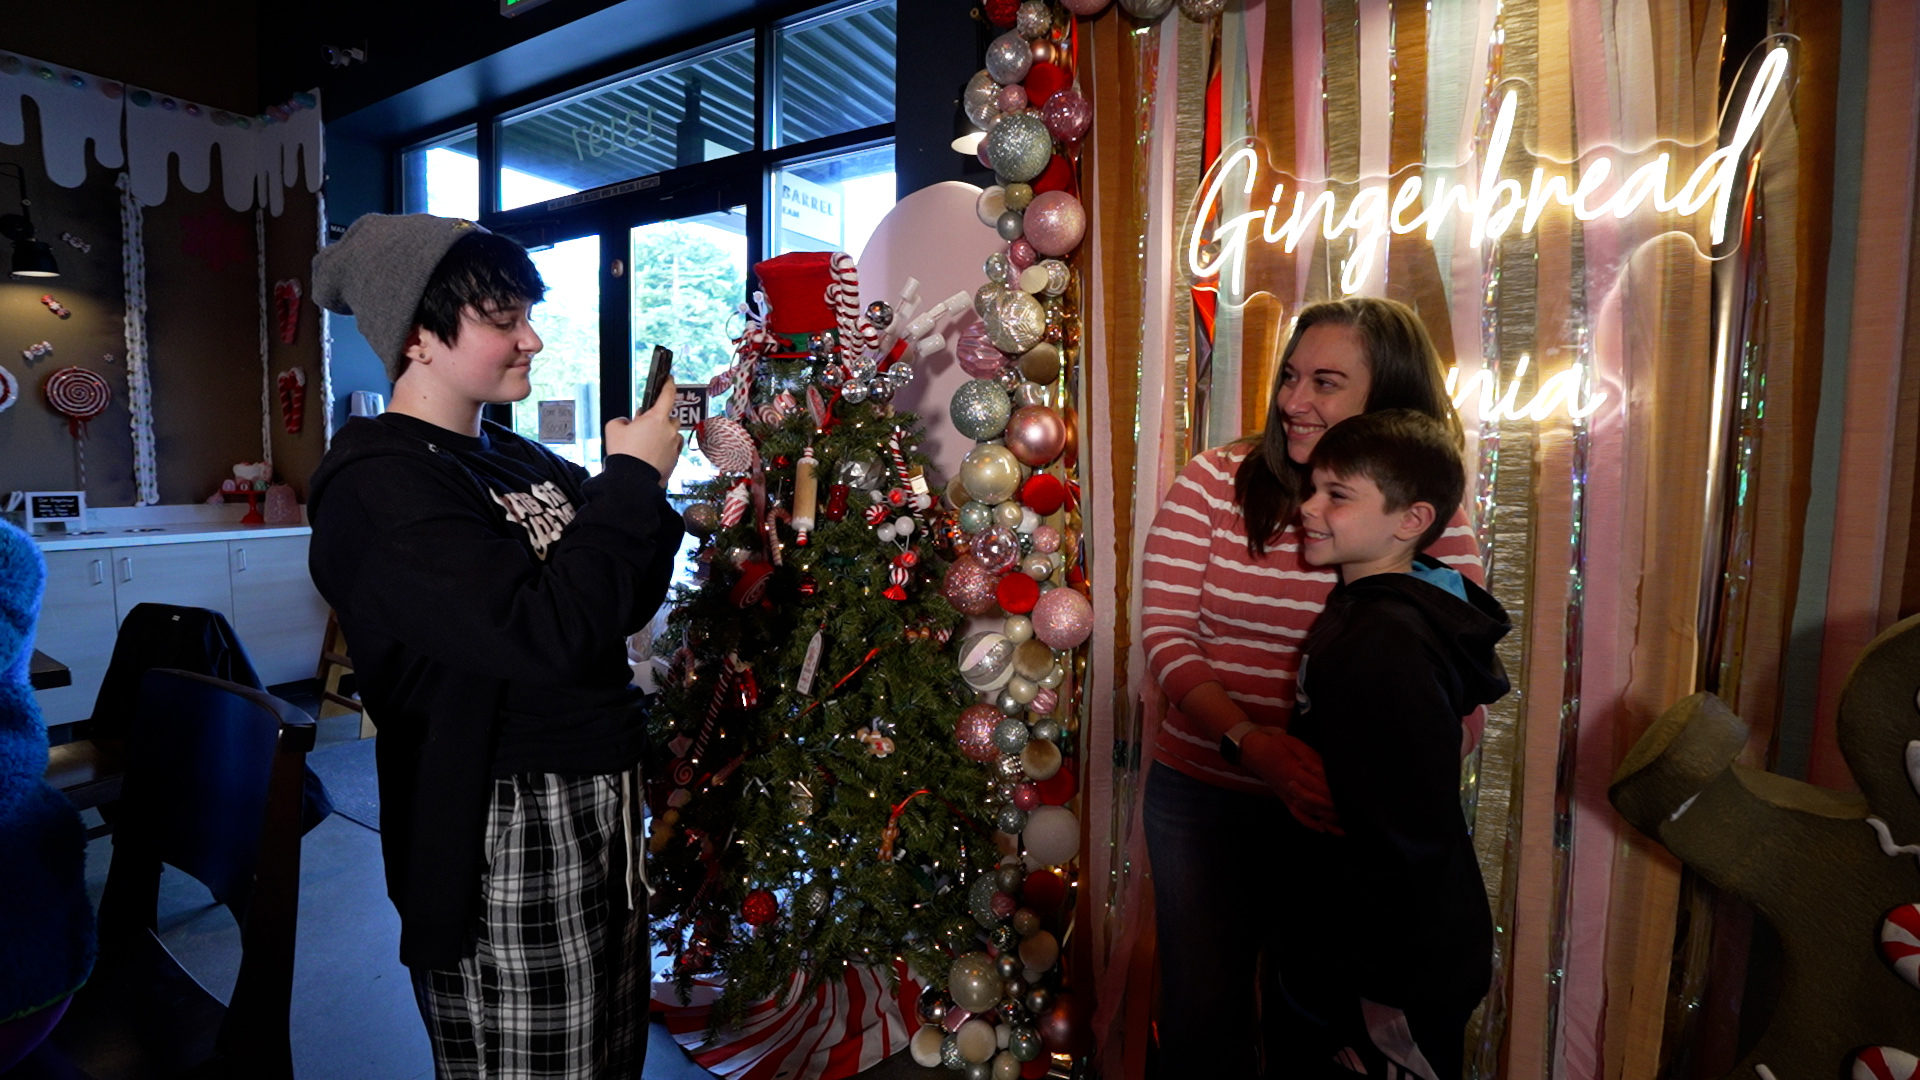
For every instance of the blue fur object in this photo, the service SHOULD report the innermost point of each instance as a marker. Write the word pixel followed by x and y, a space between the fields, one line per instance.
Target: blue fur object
pixel 46 923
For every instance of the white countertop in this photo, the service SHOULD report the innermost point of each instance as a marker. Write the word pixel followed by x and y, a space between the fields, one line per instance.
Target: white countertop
pixel 169 533
pixel 140 526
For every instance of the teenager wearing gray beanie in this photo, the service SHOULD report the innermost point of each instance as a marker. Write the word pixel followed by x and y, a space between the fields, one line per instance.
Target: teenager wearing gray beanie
pixel 486 587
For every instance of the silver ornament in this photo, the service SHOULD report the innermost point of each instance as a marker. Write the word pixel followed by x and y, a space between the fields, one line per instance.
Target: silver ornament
pixel 1020 147
pixel 854 393
pixel 1010 735
pixel 1029 393
pixel 1033 20
pixel 980 409
pixel 1009 58
pixel 1146 10
pixel 881 389
pixel 978 100
pixel 999 269
pixel 985 301
pixel 880 314
pixel 1048 729
pixel 1203 10
pixel 1023 322
pixel 1011 226
pixel 1058 276
pixel 1010 819
pixel 1009 766
pixel 1008 704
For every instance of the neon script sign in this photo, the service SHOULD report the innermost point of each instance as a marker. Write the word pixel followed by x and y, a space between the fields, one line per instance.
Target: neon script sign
pixel 1489 209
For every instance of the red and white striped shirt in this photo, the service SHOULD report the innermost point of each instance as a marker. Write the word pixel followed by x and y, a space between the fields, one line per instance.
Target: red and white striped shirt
pixel 1212 613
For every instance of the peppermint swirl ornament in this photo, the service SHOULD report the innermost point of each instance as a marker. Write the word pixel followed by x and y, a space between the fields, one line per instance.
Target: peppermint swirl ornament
pixel 727 445
pixel 79 395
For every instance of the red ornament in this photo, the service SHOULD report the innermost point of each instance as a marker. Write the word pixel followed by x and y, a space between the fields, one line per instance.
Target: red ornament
pixel 1044 81
pixel 752 585
pixel 1057 176
pixel 1003 13
pixel 1060 788
pixel 796 287
pixel 1044 494
pixel 837 502
pixel 1043 891
pixel 1017 593
pixel 760 908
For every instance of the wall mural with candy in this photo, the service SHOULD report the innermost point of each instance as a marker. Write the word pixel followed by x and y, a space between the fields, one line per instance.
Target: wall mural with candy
pixel 164 318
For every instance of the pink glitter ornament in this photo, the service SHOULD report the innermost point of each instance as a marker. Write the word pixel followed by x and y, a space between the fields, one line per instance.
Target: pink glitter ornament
pixel 1020 255
pixel 973 731
pixel 1055 221
pixel 1046 539
pixel 1011 99
pixel 1067 115
pixel 969 586
pixel 1085 8
pixel 1062 619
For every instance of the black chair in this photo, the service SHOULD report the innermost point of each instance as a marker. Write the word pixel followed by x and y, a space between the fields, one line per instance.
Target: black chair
pixel 90 769
pixel 213 787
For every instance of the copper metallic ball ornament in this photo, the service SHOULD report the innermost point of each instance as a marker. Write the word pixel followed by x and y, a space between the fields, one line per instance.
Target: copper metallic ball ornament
pixel 1036 434
pixel 701 518
pixel 1041 364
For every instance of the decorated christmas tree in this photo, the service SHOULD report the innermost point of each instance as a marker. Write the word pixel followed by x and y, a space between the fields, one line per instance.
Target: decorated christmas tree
pixel 813 810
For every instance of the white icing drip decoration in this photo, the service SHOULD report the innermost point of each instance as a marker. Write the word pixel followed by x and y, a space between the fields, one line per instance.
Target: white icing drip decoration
pixel 70 118
pixel 1887 846
pixel 257 162
pixel 1764 1073
pixel 1683 807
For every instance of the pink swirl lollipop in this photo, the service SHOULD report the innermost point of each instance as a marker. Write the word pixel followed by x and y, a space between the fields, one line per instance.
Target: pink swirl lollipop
pixel 79 395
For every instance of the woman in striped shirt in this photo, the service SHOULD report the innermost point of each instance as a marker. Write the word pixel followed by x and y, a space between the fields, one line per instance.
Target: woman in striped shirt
pixel 1226 602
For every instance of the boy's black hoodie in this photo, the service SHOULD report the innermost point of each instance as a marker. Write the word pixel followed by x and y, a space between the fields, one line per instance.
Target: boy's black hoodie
pixel 1387 672
pixel 485 587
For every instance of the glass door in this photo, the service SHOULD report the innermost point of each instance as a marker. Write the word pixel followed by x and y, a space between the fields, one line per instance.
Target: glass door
pixel 566 374
pixel 689 279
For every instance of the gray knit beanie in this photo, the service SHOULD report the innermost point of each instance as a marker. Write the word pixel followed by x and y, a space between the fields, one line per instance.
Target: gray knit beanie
pixel 378 271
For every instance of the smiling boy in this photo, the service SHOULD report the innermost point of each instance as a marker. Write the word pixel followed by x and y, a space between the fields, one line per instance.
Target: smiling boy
pixel 486 587
pixel 1403 649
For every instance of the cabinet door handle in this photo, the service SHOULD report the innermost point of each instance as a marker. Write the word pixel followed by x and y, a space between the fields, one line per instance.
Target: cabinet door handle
pixel 240 560
pixel 99 571
pixel 126 568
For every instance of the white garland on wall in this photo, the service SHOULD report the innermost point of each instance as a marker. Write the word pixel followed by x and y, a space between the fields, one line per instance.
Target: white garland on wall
pixel 133 272
pixel 266 357
pixel 326 337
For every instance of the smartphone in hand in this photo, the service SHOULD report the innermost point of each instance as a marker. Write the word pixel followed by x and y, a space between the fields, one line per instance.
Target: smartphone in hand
pixel 657 375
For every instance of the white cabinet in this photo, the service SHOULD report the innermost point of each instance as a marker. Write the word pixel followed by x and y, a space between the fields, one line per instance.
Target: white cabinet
pixel 260 584
pixel 276 612
pixel 77 622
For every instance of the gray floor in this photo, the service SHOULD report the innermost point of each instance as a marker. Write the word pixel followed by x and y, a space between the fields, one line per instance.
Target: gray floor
pixel 354 1016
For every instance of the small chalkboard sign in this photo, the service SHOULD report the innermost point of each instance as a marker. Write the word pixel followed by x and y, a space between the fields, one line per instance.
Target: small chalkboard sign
pixel 63 508
pixel 689 406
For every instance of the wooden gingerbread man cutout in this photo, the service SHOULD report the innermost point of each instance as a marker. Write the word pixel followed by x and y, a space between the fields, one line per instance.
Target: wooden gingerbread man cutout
pixel 1836 874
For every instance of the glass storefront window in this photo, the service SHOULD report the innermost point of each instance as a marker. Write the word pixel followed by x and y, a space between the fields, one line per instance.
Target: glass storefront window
pixel 568 366
pixel 442 177
pixel 689 280
pixel 834 73
pixel 832 204
pixel 693 110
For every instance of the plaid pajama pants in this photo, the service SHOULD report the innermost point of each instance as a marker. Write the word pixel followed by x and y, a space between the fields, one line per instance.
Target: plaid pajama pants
pixel 557 984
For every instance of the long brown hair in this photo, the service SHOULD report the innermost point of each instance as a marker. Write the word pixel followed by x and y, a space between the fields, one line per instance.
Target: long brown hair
pixel 1403 372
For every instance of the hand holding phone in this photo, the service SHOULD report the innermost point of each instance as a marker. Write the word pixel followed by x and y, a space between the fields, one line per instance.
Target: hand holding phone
pixel 657 375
